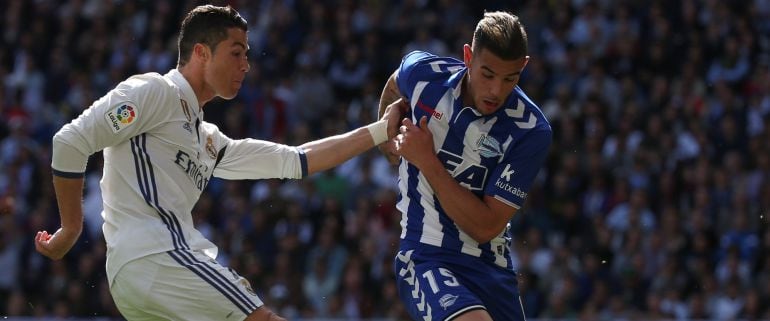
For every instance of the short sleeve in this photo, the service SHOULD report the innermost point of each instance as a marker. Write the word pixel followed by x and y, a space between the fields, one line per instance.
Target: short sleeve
pixel 409 64
pixel 512 178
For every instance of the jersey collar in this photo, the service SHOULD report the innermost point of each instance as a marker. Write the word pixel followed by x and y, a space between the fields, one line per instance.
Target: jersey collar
pixel 455 81
pixel 178 79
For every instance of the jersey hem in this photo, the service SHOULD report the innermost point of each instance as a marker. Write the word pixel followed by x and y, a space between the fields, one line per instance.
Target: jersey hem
pixel 507 202
pixel 67 174
pixel 302 161
pixel 463 310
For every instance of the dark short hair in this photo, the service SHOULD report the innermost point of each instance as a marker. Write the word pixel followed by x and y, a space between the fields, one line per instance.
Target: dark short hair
pixel 208 25
pixel 501 33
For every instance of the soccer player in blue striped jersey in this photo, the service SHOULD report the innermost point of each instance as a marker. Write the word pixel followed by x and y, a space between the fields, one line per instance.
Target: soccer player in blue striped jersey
pixel 159 155
pixel 470 148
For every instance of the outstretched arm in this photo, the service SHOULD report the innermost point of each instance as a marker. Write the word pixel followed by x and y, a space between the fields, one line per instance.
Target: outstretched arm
pixel 68 194
pixel 390 94
pixel 328 152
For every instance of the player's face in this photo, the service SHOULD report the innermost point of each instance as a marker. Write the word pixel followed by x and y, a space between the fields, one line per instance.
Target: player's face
pixel 490 78
pixel 228 64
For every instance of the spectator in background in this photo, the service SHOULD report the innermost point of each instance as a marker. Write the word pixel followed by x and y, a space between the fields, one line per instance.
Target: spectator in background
pixel 650 48
pixel 348 73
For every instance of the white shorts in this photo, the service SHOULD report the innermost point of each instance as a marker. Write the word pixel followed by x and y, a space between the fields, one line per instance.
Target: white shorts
pixel 182 285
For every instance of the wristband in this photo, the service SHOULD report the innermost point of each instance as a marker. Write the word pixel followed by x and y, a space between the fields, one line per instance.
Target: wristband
pixel 379 131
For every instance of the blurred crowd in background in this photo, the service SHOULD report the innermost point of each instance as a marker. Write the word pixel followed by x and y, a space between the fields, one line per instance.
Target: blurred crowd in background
pixel 653 203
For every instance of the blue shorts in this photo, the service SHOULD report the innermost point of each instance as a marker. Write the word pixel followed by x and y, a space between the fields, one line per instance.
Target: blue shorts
pixel 442 285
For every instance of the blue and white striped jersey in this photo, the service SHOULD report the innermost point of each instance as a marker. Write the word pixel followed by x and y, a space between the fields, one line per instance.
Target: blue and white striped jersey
pixel 497 155
pixel 159 155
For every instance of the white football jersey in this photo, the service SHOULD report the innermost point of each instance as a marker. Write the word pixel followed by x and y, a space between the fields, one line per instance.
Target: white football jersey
pixel 159 155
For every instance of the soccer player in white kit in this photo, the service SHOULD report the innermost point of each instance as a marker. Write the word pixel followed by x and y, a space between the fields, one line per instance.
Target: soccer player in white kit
pixel 159 154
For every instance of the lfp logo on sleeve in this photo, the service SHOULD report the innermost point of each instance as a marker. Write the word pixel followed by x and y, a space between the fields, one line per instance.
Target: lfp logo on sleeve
pixel 121 117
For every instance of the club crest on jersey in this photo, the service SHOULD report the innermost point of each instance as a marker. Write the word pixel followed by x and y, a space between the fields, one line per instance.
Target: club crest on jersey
pixel 245 283
pixel 488 146
pixel 210 149
pixel 186 110
pixel 121 117
pixel 447 300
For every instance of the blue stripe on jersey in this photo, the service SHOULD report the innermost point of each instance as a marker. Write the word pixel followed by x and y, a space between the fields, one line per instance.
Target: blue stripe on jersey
pixel 67 174
pixel 152 198
pixel 455 144
pixel 488 253
pixel 144 187
pixel 146 177
pixel 140 173
pixel 302 161
pixel 215 279
pixel 427 80
pixel 508 247
pixel 450 229
pixel 415 210
pixel 147 184
pixel 423 106
pixel 220 155
pixel 500 130
pixel 168 213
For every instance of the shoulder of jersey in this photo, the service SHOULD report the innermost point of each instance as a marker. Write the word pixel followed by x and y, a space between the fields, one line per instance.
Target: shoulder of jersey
pixel 149 81
pixel 129 96
pixel 525 114
pixel 144 90
pixel 433 67
pixel 138 88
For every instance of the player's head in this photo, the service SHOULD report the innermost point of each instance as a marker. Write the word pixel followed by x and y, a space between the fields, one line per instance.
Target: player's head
pixel 215 38
pixel 495 60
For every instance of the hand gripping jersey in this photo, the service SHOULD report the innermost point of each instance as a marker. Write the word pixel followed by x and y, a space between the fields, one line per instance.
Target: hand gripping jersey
pixel 497 155
pixel 159 155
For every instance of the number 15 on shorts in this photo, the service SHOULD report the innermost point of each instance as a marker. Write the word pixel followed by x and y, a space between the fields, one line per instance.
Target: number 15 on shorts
pixel 445 276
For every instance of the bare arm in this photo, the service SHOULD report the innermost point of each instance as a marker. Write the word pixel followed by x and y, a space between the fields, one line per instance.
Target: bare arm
pixel 390 93
pixel 68 194
pixel 481 219
pixel 331 151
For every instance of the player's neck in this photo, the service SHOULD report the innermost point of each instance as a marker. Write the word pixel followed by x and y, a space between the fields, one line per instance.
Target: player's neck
pixel 465 93
pixel 196 79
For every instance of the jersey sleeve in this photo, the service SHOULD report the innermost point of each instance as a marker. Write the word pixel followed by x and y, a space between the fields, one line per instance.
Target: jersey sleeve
pixel 512 178
pixel 413 68
pixel 420 66
pixel 258 159
pixel 133 107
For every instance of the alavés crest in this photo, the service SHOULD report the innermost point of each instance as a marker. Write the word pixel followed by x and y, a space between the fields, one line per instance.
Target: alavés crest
pixel 488 146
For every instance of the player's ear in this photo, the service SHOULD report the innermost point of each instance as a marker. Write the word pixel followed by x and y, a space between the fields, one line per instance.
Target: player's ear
pixel 467 54
pixel 201 51
pixel 526 61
